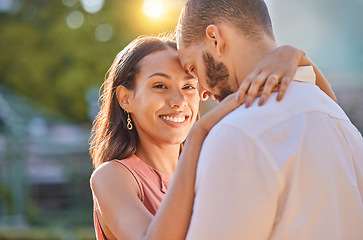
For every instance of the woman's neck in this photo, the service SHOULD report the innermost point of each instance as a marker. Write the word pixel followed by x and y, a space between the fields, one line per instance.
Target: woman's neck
pixel 163 158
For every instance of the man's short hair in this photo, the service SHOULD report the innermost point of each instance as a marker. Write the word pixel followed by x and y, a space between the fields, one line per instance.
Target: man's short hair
pixel 250 17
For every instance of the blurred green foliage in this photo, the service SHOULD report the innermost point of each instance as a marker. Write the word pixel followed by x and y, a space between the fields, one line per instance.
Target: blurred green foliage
pixel 6 198
pixel 36 233
pixel 42 58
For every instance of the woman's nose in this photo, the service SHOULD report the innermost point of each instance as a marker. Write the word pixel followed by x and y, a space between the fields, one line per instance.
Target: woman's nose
pixel 178 99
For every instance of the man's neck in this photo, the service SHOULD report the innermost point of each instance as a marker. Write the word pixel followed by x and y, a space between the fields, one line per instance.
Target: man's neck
pixel 246 61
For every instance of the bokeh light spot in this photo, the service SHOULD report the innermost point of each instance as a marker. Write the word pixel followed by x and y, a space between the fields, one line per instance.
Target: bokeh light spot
pixel 92 6
pixel 69 3
pixel 104 33
pixel 75 19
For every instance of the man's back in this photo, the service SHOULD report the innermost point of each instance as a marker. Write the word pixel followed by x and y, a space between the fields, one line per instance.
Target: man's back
pixel 287 170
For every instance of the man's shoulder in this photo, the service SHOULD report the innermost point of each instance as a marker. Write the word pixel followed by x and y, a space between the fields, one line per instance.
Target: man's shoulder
pixel 301 98
pixel 255 119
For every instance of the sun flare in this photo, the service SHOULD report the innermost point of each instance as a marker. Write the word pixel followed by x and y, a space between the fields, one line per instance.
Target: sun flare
pixel 153 8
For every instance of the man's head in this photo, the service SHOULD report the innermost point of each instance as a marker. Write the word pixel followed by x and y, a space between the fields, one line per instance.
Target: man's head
pixel 220 41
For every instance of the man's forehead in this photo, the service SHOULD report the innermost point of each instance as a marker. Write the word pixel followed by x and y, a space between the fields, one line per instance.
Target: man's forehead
pixel 180 47
pixel 184 56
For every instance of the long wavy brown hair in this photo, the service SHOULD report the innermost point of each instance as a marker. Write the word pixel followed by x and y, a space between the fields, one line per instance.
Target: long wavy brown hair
pixel 110 137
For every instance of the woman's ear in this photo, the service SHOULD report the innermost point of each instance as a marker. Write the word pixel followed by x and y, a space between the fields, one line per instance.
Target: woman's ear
pixel 124 98
pixel 213 35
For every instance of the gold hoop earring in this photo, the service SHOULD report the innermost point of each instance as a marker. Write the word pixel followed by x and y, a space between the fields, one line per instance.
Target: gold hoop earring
pixel 129 124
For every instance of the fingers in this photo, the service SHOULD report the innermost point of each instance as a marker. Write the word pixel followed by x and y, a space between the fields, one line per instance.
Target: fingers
pixel 241 94
pixel 281 64
pixel 255 86
pixel 239 100
pixel 286 80
pixel 271 82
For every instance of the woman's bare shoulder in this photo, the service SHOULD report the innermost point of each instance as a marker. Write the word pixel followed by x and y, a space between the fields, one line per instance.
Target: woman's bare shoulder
pixel 112 176
pixel 117 199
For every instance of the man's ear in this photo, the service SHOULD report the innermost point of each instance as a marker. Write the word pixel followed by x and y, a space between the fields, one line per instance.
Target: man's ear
pixel 124 98
pixel 213 35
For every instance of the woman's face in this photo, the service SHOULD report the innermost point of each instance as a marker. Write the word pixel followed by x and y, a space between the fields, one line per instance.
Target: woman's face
pixel 165 100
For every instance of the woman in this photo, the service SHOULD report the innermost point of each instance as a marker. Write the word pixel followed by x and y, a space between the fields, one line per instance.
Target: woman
pixel 149 106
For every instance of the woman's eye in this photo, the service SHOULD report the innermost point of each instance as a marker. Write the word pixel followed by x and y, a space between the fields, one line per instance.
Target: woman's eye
pixel 187 87
pixel 160 86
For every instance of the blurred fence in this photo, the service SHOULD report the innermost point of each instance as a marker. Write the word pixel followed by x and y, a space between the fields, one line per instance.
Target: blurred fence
pixel 44 174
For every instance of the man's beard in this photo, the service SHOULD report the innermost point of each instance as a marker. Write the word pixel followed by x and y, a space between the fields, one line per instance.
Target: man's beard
pixel 217 76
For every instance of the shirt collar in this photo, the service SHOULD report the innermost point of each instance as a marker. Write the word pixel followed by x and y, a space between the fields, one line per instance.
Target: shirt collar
pixel 305 74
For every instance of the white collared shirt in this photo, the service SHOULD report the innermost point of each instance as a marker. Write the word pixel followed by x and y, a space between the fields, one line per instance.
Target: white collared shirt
pixel 287 170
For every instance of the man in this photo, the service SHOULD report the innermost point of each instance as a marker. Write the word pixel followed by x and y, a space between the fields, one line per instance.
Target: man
pixel 288 170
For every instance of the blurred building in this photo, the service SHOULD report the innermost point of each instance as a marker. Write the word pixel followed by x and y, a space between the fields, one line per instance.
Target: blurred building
pixel 44 163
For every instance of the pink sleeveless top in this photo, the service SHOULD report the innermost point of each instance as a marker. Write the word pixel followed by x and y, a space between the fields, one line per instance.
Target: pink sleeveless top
pixel 152 184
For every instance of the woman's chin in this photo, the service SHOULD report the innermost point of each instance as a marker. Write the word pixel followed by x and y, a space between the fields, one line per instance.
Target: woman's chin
pixel 176 140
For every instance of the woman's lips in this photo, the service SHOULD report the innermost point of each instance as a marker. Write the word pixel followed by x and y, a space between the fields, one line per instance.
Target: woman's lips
pixel 175 121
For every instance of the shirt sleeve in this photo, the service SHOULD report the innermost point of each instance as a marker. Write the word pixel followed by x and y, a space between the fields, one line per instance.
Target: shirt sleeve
pixel 236 188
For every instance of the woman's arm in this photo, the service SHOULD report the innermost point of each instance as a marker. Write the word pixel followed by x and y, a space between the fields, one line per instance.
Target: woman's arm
pixel 278 67
pixel 321 82
pixel 173 217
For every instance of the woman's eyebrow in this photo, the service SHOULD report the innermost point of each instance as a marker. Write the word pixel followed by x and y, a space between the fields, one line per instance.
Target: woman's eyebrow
pixel 168 76
pixel 188 77
pixel 160 74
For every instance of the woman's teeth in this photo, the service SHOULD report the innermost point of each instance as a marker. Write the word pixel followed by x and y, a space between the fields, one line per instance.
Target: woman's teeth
pixel 173 119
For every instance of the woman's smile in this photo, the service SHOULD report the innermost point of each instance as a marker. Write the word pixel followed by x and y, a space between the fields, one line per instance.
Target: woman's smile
pixel 175 120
